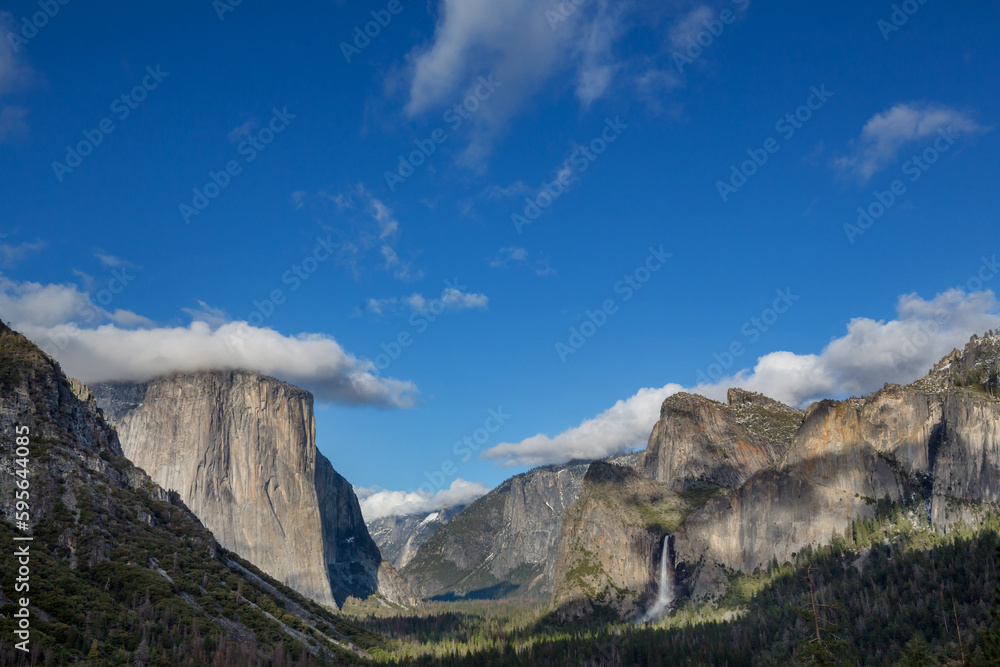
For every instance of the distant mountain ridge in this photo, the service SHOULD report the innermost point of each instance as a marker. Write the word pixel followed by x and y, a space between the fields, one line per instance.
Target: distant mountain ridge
pixel 400 536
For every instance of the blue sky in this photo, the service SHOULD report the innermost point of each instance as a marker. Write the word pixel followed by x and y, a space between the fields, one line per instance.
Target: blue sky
pixel 119 268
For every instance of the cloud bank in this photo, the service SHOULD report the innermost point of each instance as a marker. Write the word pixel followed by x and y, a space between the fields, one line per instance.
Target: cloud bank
pixel 377 502
pixel 96 344
pixel 869 354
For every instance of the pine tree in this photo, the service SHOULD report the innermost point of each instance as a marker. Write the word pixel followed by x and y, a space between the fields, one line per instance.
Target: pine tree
pixel 991 638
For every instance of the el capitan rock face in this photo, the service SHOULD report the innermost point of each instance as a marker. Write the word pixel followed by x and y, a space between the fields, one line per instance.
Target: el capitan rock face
pixel 239 447
pixel 103 534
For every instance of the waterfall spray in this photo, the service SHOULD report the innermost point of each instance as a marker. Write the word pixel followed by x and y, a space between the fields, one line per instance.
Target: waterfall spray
pixel 665 593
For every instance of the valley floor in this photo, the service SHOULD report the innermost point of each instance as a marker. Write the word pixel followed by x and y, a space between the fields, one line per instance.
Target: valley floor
pixel 890 592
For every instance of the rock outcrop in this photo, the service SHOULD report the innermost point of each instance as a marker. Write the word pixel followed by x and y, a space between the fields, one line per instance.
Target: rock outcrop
pixel 699 443
pixel 506 543
pixel 699 449
pixel 610 544
pixel 239 447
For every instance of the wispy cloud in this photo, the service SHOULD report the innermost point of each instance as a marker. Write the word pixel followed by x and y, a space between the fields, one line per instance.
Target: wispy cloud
pixel 518 255
pixel 887 133
pixel 524 44
pixel 109 260
pixel 11 255
pixel 15 75
pixel 376 229
pixel 515 189
pixel 214 317
pixel 241 132
pixel 687 27
pixel 869 354
pixel 451 299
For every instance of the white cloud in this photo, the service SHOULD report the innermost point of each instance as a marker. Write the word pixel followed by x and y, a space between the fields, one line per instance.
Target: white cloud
pixel 870 354
pixel 886 133
pixel 456 299
pixel 524 44
pixel 416 302
pixel 377 502
pixel 625 425
pixel 96 345
pixel 451 299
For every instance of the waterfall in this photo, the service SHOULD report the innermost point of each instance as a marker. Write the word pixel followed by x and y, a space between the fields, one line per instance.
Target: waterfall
pixel 665 593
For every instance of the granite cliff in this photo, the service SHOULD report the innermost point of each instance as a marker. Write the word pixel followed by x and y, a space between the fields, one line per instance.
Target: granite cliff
pixel 744 485
pixel 240 450
pixel 935 443
pixel 613 534
pixel 119 566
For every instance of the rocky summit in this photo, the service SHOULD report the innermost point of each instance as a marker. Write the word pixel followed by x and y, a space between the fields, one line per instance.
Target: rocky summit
pixel 240 449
